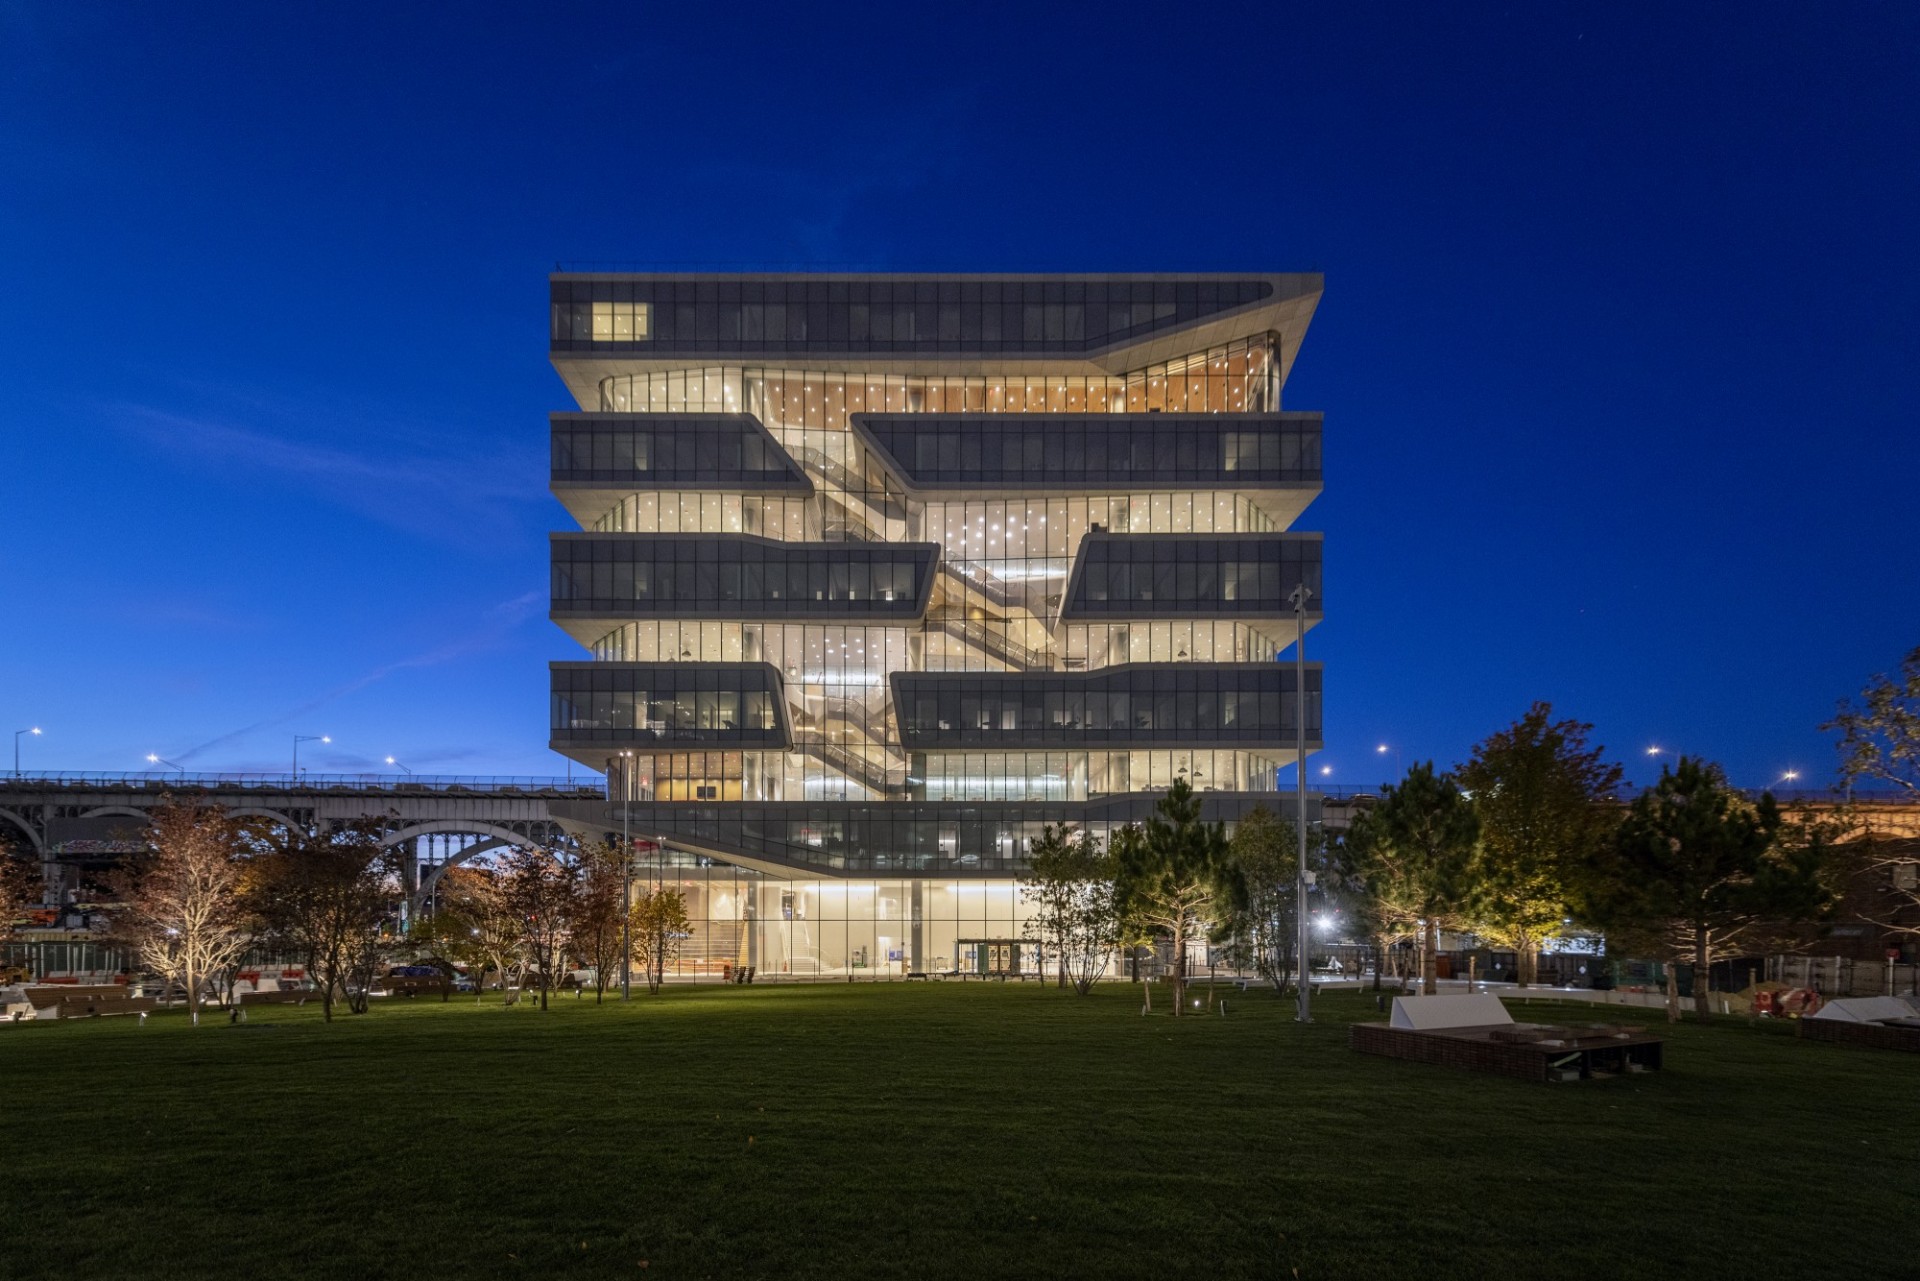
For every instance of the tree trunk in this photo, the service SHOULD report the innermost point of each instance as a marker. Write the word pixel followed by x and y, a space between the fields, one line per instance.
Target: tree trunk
pixel 1673 993
pixel 1179 966
pixel 1430 957
pixel 1379 962
pixel 193 995
pixel 1523 972
pixel 1701 974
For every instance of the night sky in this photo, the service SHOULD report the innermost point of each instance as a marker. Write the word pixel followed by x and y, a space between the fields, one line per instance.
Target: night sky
pixel 1618 352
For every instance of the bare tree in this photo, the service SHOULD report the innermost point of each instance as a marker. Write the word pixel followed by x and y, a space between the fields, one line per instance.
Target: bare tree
pixel 1880 748
pixel 184 909
pixel 543 889
pixel 660 924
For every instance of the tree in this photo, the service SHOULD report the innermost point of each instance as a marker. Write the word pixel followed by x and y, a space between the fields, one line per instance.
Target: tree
pixel 1703 874
pixel 543 889
pixel 1050 888
pixel 1880 747
pixel 19 886
pixel 1176 876
pixel 477 925
pixel 1880 734
pixel 184 908
pixel 1546 808
pixel 660 922
pixel 1413 853
pixel 1266 851
pixel 329 897
pixel 1071 888
pixel 600 914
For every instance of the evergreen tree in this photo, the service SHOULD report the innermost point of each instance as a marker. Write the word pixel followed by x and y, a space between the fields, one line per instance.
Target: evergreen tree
pixel 1413 854
pixel 1704 874
pixel 1176 876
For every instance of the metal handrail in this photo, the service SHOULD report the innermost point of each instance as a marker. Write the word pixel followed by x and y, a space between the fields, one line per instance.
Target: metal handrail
pixel 999 646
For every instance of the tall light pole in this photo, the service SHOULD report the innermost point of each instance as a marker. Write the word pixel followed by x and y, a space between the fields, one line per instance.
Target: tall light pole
pixel 16 747
pixel 626 879
pixel 397 765
pixel 1304 933
pixel 304 738
pixel 161 760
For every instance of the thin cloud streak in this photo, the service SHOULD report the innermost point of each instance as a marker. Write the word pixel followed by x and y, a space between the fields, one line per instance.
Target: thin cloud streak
pixel 435 493
pixel 499 621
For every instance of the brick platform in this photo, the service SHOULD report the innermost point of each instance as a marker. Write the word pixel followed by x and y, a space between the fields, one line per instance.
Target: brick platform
pixel 1881 1036
pixel 1528 1051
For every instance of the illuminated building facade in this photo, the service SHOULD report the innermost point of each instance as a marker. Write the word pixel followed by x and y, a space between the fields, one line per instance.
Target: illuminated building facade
pixel 879 574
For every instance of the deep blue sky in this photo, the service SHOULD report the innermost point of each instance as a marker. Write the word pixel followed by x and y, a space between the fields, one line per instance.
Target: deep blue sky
pixel 1618 350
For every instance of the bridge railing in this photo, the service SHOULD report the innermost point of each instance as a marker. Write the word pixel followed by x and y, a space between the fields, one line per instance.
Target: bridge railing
pixel 582 785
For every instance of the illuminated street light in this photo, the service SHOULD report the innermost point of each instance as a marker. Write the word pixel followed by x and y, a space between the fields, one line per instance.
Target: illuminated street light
pixel 161 760
pixel 16 747
pixel 397 765
pixel 304 738
pixel 1383 749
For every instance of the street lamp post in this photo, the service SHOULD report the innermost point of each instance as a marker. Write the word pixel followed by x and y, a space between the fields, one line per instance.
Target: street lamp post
pixel 161 760
pixel 16 747
pixel 304 738
pixel 626 879
pixel 1304 932
pixel 397 765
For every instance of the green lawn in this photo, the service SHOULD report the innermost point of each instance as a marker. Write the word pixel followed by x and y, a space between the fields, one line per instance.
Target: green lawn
pixel 929 1131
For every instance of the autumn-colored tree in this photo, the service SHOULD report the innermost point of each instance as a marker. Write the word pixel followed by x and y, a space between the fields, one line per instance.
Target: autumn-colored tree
pixel 600 914
pixel 1546 806
pixel 1176 876
pixel 476 925
pixel 1703 874
pixel 183 910
pixel 660 924
pixel 330 898
pixel 1413 852
pixel 543 889
pixel 19 885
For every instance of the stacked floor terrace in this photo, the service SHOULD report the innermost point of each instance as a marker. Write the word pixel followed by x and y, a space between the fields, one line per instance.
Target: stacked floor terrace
pixel 880 573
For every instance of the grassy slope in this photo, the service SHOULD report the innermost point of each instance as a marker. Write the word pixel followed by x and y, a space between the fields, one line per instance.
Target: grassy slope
pixel 920 1130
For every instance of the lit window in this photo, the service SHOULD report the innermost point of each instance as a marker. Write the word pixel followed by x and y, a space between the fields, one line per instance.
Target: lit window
pixel 622 321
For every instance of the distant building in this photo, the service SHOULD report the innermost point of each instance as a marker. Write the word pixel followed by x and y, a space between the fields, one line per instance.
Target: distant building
pixel 879 574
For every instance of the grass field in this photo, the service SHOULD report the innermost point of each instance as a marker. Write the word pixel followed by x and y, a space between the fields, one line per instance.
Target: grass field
pixel 929 1131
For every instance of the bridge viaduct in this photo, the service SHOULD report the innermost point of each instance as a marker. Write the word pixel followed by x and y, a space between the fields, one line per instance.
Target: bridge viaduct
pixel 72 822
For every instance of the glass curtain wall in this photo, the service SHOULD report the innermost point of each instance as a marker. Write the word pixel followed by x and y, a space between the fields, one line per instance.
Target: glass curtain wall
pixel 836 930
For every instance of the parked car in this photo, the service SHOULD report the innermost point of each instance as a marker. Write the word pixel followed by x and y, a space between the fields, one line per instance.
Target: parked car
pixel 417 980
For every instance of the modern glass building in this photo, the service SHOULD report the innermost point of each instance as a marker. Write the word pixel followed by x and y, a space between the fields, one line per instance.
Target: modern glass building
pixel 879 574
